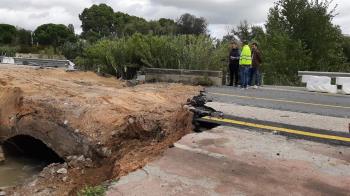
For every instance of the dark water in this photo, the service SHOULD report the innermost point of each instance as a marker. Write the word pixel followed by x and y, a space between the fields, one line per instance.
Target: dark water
pixel 16 170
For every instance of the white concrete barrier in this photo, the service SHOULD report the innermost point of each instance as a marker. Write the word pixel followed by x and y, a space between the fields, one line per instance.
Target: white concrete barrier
pixel 345 83
pixel 305 78
pixel 8 60
pixel 319 84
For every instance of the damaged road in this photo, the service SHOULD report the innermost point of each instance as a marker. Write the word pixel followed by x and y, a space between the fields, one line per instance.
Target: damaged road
pixel 100 127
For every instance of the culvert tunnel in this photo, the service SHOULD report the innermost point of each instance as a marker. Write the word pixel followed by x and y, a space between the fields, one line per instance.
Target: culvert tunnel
pixel 26 146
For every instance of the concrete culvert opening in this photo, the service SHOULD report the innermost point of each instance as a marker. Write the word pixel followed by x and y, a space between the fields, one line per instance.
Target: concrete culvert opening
pixel 28 147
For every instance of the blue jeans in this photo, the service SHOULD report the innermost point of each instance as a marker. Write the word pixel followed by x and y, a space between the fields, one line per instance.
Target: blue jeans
pixel 244 70
pixel 255 74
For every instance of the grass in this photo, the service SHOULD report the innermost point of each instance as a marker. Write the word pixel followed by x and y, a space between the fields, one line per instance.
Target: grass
pixel 92 191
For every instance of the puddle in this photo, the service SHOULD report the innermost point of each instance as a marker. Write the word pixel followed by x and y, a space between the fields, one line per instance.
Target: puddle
pixel 16 170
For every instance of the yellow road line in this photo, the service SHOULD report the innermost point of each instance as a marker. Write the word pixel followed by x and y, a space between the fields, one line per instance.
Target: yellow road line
pixel 281 100
pixel 280 129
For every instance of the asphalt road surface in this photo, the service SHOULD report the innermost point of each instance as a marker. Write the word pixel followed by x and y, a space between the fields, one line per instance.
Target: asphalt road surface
pixel 284 98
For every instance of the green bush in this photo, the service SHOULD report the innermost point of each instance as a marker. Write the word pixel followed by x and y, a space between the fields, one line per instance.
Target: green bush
pixel 92 191
pixel 8 51
pixel 124 56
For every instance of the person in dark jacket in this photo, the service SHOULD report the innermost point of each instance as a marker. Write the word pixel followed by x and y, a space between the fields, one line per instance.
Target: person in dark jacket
pixel 256 66
pixel 234 64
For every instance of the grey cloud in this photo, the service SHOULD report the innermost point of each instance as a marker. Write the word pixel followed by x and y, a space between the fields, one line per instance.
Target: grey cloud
pixel 70 5
pixel 224 12
pixel 219 13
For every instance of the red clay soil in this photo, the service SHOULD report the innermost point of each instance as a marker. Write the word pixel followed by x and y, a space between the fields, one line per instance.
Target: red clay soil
pixel 123 128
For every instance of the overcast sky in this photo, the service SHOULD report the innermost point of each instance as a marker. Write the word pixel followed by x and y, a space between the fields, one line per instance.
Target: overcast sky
pixel 221 14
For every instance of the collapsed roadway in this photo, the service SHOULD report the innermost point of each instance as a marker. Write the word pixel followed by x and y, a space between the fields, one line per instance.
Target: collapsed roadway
pixel 98 126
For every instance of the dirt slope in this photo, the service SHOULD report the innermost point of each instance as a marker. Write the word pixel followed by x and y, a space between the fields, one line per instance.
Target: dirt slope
pixel 125 126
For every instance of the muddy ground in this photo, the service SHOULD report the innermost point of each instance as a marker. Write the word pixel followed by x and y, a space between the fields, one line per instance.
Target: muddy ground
pixel 117 128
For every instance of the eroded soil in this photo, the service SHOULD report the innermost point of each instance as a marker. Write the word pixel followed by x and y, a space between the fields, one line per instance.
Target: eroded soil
pixel 120 128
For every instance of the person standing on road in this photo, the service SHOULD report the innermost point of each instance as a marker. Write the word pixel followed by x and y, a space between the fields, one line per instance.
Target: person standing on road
pixel 245 63
pixel 256 64
pixel 234 63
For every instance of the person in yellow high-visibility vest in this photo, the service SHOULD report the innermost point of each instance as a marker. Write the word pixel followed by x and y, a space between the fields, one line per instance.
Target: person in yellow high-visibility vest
pixel 245 63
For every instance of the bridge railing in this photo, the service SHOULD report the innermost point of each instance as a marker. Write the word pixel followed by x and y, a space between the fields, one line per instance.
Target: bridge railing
pixel 327 74
pixel 70 66
pixel 42 62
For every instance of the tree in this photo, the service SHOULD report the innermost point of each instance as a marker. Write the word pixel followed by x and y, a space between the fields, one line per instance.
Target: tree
pixel 163 26
pixel 311 23
pixel 7 34
pixel 283 58
pixel 72 50
pixel 190 24
pixel 346 47
pixel 135 25
pixel 24 37
pixel 98 21
pixel 53 35
pixel 243 31
pixel 71 28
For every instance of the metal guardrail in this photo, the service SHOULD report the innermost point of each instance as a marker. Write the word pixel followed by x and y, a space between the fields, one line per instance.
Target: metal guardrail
pixel 329 74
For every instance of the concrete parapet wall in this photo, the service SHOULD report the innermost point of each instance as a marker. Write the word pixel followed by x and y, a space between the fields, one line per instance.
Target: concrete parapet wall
pixel 184 76
pixel 42 62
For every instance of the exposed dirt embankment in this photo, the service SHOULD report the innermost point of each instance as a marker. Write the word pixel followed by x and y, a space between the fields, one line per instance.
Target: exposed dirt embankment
pixel 116 128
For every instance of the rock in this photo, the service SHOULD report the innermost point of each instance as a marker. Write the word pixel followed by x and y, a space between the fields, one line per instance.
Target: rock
pixel 131 120
pixel 64 179
pixel 81 158
pixel 62 171
pixel 2 193
pixel 71 158
pixel 106 152
pixel 33 183
pixel 45 192
pixel 88 163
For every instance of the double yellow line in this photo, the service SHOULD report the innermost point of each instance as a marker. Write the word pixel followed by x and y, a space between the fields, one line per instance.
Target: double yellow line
pixel 279 129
